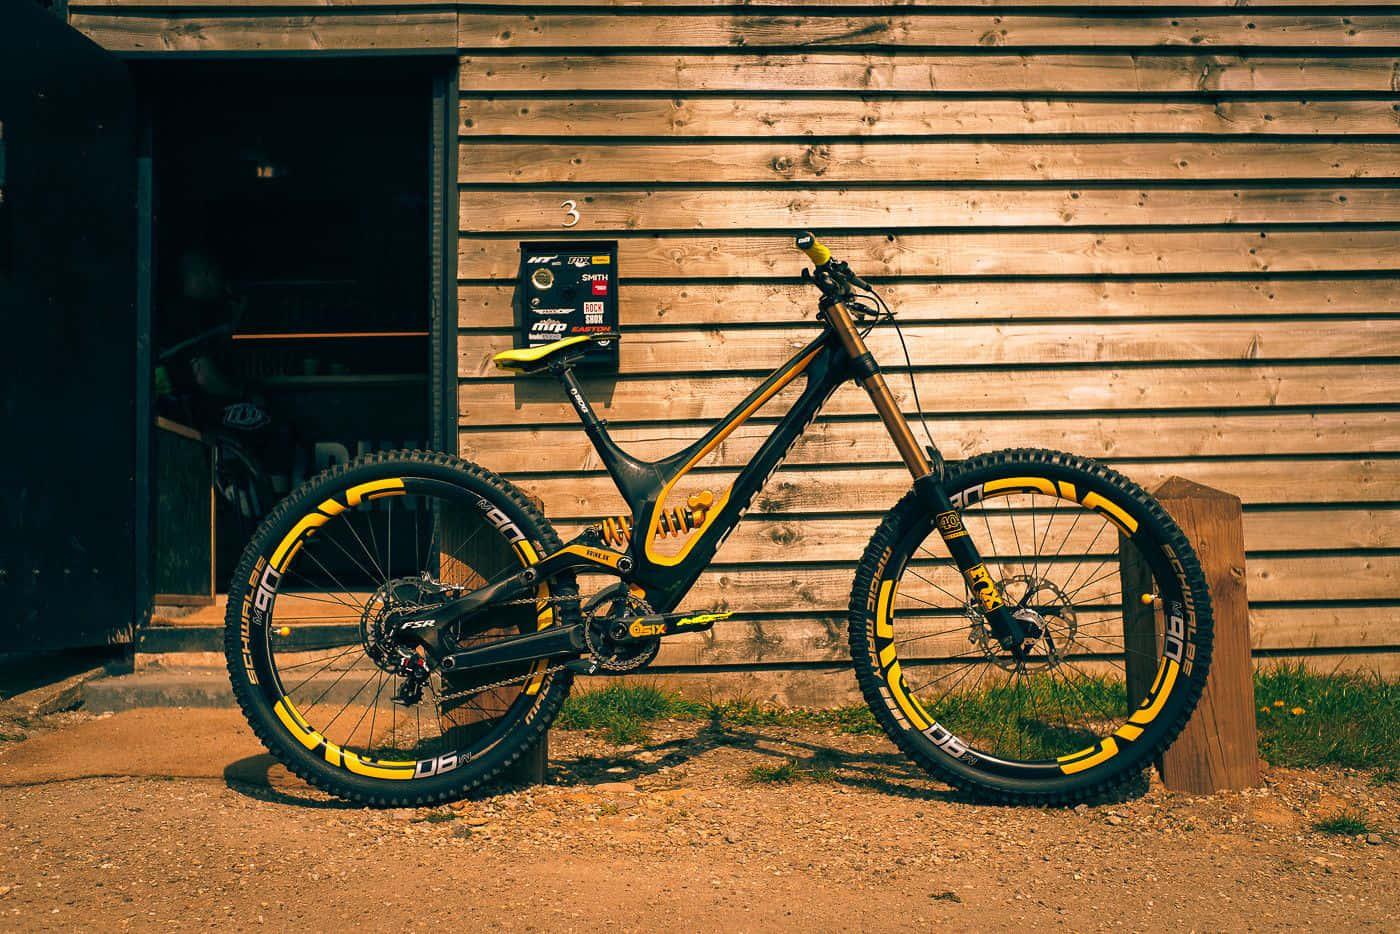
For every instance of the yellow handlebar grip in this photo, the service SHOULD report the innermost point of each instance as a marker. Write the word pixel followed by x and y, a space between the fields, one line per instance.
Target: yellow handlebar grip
pixel 810 245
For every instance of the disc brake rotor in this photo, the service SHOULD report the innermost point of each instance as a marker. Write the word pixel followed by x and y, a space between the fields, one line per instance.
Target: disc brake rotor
pixel 1046 612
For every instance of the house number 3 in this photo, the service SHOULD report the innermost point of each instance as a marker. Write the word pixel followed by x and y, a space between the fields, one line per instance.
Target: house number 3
pixel 570 213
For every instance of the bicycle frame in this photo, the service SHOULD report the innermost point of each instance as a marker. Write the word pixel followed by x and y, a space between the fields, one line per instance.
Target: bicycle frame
pixel 837 355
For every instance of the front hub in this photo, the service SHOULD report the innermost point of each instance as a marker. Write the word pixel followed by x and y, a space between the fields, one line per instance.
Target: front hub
pixel 1044 613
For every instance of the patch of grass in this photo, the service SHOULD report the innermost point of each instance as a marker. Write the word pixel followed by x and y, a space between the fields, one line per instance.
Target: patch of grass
pixel 1345 824
pixel 1308 719
pixel 622 712
pixel 853 719
pixel 817 769
pixel 774 774
pixel 1024 717
pixel 439 817
pixel 1386 776
pixel 1305 719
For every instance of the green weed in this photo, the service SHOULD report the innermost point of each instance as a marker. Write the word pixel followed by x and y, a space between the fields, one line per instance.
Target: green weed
pixel 1345 824
pixel 622 712
pixel 775 774
pixel 1386 776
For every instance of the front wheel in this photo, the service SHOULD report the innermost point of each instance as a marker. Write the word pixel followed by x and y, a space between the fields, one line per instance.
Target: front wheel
pixel 1113 599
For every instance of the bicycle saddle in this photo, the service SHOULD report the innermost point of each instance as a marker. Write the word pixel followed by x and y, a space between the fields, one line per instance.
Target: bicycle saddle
pixel 527 360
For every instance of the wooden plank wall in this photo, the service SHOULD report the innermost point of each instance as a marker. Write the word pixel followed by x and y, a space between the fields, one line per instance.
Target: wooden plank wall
pixel 1162 234
pixel 1167 239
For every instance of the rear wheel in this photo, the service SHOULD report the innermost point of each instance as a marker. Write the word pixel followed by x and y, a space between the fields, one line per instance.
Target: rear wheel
pixel 310 628
pixel 1107 680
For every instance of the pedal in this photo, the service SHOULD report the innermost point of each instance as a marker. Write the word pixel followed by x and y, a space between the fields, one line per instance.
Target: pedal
pixel 583 666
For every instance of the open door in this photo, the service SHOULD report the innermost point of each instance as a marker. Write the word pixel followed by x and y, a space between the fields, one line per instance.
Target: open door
pixel 72 361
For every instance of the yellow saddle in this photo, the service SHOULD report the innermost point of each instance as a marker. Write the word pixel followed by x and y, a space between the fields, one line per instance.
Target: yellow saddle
pixel 564 352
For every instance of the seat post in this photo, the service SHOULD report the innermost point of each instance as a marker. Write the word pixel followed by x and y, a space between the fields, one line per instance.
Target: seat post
pixel 592 424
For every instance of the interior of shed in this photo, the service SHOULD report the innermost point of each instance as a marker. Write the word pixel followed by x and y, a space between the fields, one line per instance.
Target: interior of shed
pixel 291 297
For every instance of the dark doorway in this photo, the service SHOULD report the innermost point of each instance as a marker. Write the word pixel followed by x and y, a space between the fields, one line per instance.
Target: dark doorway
pixel 292 248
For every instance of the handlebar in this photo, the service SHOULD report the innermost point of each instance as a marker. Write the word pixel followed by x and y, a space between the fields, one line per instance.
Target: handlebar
pixel 808 243
pixel 833 271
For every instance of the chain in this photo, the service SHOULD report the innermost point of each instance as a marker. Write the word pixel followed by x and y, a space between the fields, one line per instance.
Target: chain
pixel 502 683
pixel 603 662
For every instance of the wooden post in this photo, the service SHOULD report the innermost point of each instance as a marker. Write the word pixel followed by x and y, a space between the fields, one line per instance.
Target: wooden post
pixel 531 768
pixel 1218 750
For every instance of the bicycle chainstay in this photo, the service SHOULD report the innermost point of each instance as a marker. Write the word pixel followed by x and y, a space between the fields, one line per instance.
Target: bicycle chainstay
pixel 526 601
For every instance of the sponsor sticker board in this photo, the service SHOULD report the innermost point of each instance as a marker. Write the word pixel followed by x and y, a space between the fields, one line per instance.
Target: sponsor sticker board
pixel 568 288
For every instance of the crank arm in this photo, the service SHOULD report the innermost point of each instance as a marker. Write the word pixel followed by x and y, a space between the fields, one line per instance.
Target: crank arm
pixel 668 624
pixel 526 647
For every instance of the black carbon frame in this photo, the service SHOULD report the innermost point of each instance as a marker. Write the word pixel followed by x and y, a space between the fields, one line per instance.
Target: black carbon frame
pixel 641 482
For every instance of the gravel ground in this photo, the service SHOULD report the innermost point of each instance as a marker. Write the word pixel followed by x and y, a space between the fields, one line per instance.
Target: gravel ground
pixel 110 824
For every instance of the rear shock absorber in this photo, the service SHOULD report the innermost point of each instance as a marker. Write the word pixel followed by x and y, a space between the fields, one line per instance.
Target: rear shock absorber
pixel 678 520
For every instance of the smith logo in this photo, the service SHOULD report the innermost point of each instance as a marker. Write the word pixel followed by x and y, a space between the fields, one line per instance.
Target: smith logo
pixel 981 583
pixel 950 525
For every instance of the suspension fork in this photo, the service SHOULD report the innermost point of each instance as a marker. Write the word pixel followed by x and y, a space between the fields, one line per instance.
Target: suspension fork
pixel 928 484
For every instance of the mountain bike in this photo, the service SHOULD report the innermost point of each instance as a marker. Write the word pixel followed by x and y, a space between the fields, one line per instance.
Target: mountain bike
pixel 404 627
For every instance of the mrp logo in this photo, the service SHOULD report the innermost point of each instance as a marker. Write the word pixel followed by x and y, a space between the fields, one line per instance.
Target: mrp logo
pixel 981 583
pixel 501 521
pixel 548 326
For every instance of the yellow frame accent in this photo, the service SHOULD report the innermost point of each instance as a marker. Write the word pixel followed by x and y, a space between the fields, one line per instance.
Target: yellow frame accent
pixel 713 512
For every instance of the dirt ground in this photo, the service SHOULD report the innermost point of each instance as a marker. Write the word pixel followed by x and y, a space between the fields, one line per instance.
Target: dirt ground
pixel 175 820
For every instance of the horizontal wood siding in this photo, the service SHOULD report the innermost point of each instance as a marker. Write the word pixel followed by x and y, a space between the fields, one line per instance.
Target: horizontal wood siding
pixel 1164 235
pixel 1170 240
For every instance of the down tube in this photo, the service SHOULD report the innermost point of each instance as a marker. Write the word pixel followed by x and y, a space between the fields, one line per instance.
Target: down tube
pixel 668 586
